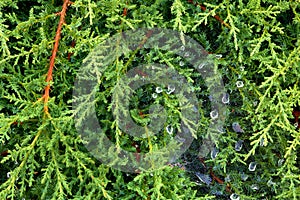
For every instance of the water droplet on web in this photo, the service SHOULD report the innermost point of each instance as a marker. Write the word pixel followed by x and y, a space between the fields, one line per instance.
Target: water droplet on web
pixel 239 84
pixel 214 114
pixel 195 109
pixel 182 48
pixel 225 98
pixel 237 128
pixel 158 90
pixel 280 162
pixel 254 103
pixel 296 124
pixel 201 65
pixel 187 54
pixel 204 178
pixel 171 88
pixel 252 166
pixel 8 174
pixel 169 129
pixel 244 176
pixel 254 187
pixel 220 129
pixel 238 145
pixel 181 63
pixel 154 95
pixel 262 142
pixel 214 153
pixel 218 56
pixel 234 196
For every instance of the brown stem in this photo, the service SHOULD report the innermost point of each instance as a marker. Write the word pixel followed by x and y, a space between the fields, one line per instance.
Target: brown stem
pixel 54 52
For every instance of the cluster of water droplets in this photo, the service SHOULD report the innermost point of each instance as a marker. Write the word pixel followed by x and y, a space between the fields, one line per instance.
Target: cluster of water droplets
pixel 158 90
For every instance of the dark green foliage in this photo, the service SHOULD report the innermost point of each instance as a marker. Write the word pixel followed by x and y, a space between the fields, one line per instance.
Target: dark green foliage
pixel 259 44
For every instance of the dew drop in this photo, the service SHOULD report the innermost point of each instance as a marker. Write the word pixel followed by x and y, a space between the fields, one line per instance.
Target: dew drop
pixel 234 196
pixel 239 84
pixel 182 48
pixel 254 187
pixel 204 178
pixel 154 95
pixel 171 89
pixel 158 90
pixel 201 65
pixel 214 114
pixel 169 129
pixel 296 124
pixel 262 142
pixel 218 56
pixel 214 153
pixel 151 174
pixel 237 128
pixel 225 98
pixel 181 63
pixel 244 176
pixel 8 174
pixel 238 145
pixel 195 109
pixel 187 54
pixel 280 162
pixel 220 129
pixel 254 103
pixel 252 166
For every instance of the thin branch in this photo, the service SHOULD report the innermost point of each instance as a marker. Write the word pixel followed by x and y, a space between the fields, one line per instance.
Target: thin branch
pixel 54 52
pixel 215 16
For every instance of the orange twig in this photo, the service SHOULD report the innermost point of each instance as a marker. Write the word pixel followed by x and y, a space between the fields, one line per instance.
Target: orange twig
pixel 54 51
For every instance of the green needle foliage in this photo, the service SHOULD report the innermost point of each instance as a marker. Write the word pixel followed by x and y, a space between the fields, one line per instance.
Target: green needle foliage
pixel 44 157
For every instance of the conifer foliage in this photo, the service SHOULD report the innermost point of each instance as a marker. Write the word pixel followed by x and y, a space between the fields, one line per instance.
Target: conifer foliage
pixel 255 45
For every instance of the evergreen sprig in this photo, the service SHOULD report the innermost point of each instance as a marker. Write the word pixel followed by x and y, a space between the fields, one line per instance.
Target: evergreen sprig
pixel 42 154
